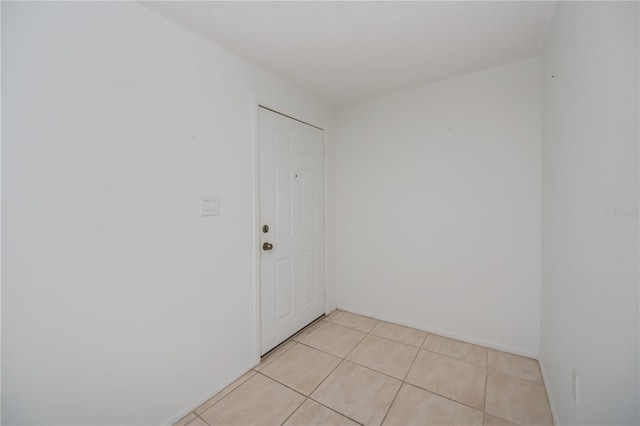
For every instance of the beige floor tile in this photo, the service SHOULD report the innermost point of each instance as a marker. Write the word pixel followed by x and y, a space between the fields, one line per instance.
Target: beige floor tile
pixel 301 368
pixel 217 397
pixel 490 420
pixel 517 400
pixel 399 333
pixel 332 314
pixel 197 422
pixel 186 419
pixel 355 321
pixel 414 407
pixel 357 392
pixel 334 339
pixel 456 349
pixel 307 330
pixel 449 377
pixel 383 355
pixel 313 414
pixel 275 354
pixel 258 401
pixel 514 365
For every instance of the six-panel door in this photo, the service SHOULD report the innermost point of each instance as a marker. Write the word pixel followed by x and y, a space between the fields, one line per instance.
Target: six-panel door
pixel 292 206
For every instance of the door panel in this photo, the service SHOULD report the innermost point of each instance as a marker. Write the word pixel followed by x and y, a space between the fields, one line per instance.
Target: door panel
pixel 292 205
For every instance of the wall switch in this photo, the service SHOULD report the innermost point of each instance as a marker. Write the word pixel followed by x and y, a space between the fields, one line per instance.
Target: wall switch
pixel 576 386
pixel 210 206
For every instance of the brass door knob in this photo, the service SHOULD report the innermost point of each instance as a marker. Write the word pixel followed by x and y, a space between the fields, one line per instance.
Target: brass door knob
pixel 267 246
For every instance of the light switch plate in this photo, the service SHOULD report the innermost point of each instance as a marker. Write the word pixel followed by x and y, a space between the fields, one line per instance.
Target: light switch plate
pixel 210 206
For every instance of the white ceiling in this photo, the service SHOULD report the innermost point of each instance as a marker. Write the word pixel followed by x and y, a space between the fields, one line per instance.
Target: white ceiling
pixel 346 51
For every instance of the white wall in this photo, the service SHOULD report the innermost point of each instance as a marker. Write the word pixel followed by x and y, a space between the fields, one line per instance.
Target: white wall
pixel 120 305
pixel 438 207
pixel 589 166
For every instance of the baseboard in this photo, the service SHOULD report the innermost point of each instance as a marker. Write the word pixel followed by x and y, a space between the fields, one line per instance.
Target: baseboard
pixel 445 333
pixel 210 394
pixel 554 413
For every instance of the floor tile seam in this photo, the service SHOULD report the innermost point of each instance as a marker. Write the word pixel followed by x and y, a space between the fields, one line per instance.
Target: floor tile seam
pixel 502 418
pixel 541 382
pixel 404 379
pixel 427 333
pixel 224 396
pixel 486 380
pixel 183 417
pixel 283 384
pixel 456 359
pixel 281 345
pixel 400 387
pixel 374 370
pixel 225 388
pixel 510 354
pixel 484 364
pixel 346 326
pixel 308 326
pixel 352 328
pixel 334 410
pixel 381 372
pixel 363 316
pixel 357 344
pixel 323 351
pixel 200 417
pixel 318 385
pixel 394 341
pixel 294 411
pixel 444 396
pixel 425 339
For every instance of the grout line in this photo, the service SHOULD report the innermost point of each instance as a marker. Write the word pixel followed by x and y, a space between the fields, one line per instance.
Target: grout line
pixel 335 411
pixel 404 379
pixel 436 393
pixel 425 339
pixel 283 384
pixel 486 379
pixel 198 417
pixel 320 350
pixel 402 382
pixel 294 411
pixel 273 354
pixel 227 394
pixel 457 359
pixel 395 341
pixel 444 396
pixel 374 370
pixel 327 376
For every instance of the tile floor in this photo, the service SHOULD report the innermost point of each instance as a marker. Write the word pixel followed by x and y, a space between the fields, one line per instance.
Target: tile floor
pixel 347 369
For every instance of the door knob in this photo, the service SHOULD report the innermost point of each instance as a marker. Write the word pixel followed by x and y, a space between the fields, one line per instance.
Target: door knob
pixel 267 246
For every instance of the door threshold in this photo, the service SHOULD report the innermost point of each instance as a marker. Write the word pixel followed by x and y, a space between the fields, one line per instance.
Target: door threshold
pixel 293 335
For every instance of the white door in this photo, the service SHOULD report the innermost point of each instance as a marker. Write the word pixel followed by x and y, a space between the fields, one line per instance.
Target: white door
pixel 292 226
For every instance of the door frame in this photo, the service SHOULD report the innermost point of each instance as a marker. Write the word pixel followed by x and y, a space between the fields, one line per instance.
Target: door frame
pixel 295 114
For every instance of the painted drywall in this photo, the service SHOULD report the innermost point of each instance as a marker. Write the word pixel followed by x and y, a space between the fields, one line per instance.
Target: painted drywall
pixel 590 255
pixel 438 207
pixel 120 304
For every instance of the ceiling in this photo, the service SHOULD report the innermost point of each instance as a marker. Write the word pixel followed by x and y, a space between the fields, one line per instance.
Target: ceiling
pixel 347 51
